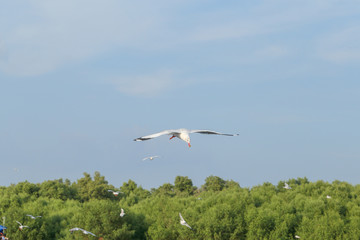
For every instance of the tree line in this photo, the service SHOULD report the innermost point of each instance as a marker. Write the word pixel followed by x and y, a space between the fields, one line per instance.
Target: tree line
pixel 219 209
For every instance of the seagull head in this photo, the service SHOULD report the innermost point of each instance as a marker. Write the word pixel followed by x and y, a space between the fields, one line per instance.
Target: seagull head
pixel 187 139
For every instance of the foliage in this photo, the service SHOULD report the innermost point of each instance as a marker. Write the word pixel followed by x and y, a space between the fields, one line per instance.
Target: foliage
pixel 220 209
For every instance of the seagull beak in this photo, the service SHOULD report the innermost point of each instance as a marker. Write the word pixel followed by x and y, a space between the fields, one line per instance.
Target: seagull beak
pixel 189 144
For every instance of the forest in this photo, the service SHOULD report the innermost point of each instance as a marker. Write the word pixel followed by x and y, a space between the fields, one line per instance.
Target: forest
pixel 219 209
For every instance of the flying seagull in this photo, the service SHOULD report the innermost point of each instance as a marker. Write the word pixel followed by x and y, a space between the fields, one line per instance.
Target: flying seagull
pixel 113 192
pixel 150 158
pixel 80 229
pixel 32 217
pixel 183 222
pixel 287 186
pixel 327 196
pixel 122 213
pixel 21 226
pixel 181 133
pixel 296 236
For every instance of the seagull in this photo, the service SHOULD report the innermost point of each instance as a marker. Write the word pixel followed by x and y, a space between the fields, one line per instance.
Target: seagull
pixel 296 236
pixel 151 158
pixel 80 229
pixel 32 217
pixel 113 192
pixel 287 186
pixel 181 133
pixel 327 196
pixel 183 222
pixel 21 226
pixel 122 213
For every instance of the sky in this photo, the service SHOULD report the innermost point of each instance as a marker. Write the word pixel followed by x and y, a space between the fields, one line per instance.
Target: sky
pixel 79 80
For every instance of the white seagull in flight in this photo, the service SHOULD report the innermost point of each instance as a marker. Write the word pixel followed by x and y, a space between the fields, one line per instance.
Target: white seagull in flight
pixel 287 186
pixel 80 229
pixel 296 236
pixel 32 217
pixel 181 133
pixel 183 222
pixel 113 192
pixel 122 213
pixel 327 196
pixel 150 158
pixel 22 226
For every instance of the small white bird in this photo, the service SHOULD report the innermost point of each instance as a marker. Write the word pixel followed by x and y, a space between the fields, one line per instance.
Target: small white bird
pixel 183 222
pixel 287 186
pixel 181 133
pixel 80 229
pixel 21 226
pixel 113 192
pixel 327 196
pixel 32 217
pixel 296 236
pixel 150 158
pixel 122 213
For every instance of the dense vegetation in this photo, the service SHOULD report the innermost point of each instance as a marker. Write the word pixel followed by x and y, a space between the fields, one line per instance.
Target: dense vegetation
pixel 220 209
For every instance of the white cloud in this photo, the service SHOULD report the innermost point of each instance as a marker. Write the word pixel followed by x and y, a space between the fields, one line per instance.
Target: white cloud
pixel 51 34
pixel 145 85
pixel 3 54
pixel 342 46
pixel 65 31
pixel 272 52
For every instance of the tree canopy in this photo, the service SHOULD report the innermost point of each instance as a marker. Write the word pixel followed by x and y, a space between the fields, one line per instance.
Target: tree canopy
pixel 219 209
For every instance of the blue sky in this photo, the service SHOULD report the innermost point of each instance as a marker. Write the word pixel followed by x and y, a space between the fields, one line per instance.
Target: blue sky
pixel 80 80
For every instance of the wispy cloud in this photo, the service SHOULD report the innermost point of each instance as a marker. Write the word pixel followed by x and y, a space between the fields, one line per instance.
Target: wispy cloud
pixel 342 46
pixel 263 19
pixel 64 32
pixel 53 34
pixel 147 85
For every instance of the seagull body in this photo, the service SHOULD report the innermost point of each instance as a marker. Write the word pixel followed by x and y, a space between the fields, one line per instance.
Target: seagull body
pixel 183 222
pixel 122 213
pixel 296 236
pixel 181 133
pixel 113 192
pixel 327 196
pixel 84 231
pixel 21 226
pixel 150 158
pixel 287 186
pixel 32 217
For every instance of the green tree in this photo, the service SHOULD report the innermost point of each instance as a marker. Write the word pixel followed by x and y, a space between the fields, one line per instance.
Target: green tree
pixel 88 188
pixel 183 186
pixel 214 183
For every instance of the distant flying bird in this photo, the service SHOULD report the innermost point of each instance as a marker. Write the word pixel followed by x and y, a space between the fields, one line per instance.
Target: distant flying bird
pixel 122 213
pixel 296 236
pixel 183 222
pixel 287 186
pixel 32 217
pixel 181 133
pixel 327 196
pixel 21 226
pixel 150 158
pixel 113 192
pixel 80 229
